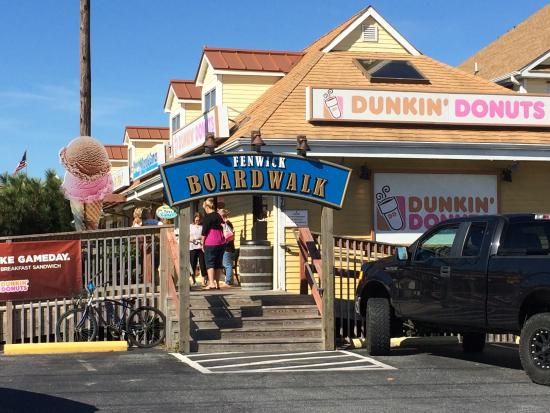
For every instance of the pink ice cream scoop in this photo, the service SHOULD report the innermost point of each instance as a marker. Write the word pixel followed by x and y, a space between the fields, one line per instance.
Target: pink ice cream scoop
pixel 77 189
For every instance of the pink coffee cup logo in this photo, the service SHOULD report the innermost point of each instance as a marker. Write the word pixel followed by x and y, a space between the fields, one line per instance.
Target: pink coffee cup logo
pixel 333 104
pixel 389 209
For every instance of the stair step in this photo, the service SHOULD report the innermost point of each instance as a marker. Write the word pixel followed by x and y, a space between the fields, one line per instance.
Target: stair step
pixel 253 345
pixel 283 321
pixel 221 312
pixel 268 332
pixel 290 310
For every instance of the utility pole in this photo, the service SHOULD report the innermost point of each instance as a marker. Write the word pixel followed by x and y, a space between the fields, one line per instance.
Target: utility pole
pixel 85 70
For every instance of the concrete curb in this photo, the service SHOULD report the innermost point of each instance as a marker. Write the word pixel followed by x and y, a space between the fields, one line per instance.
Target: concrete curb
pixel 398 342
pixel 60 348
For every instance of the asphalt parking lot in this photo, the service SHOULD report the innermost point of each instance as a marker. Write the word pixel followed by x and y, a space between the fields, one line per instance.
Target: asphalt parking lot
pixel 425 378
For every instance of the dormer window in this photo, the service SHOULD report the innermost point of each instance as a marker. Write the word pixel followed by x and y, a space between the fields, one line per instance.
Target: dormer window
pixel 176 123
pixel 391 71
pixel 209 99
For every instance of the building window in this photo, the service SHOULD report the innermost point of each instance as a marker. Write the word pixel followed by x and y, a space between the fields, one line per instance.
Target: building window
pixel 175 123
pixel 390 71
pixel 209 100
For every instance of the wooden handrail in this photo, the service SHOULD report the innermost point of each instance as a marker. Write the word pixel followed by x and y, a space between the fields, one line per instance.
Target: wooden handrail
pixel 309 252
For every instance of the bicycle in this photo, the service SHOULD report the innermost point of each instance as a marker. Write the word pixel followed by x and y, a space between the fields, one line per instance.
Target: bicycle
pixel 144 327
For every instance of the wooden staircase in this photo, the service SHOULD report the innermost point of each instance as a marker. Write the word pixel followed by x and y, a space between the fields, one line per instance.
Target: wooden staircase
pixel 234 320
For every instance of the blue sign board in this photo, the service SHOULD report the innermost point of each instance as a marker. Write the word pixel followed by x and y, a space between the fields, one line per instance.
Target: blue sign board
pixel 255 173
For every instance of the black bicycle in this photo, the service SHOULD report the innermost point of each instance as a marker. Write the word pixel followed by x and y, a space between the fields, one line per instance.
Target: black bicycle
pixel 144 326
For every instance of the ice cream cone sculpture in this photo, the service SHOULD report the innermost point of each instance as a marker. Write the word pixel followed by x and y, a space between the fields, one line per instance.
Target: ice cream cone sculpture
pixel 87 180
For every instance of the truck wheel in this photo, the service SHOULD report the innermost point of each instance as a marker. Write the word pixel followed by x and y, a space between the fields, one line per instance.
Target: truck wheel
pixel 534 348
pixel 473 342
pixel 378 326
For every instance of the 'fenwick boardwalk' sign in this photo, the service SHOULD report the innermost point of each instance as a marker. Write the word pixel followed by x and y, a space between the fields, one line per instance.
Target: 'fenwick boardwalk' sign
pixel 368 105
pixel 255 173
pixel 42 269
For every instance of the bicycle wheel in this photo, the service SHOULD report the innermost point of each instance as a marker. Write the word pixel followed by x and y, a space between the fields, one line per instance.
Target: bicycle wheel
pixel 76 325
pixel 146 326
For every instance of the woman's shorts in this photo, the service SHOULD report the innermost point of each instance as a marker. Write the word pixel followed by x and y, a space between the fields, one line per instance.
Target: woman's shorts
pixel 213 256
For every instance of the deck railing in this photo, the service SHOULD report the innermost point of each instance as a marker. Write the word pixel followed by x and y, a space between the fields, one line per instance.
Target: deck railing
pixel 129 259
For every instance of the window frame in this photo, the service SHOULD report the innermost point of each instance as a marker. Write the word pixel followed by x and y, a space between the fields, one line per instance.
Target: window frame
pixel 208 95
pixel 459 235
pixel 465 238
pixel 178 117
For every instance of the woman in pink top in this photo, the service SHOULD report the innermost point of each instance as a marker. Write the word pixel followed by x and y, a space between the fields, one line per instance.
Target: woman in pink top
pixel 213 243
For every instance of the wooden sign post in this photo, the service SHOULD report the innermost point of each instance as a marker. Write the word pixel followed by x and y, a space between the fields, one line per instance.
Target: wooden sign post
pixel 327 282
pixel 183 281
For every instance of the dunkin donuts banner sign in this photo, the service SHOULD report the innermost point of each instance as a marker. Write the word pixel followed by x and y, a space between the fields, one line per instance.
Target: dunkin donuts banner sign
pixel 42 269
pixel 408 204
pixel 361 105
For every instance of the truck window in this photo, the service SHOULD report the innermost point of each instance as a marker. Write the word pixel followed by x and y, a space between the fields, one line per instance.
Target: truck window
pixel 474 239
pixel 437 244
pixel 526 238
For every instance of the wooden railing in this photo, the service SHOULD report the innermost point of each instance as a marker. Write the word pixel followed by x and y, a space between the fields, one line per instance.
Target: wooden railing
pixel 310 264
pixel 349 256
pixel 129 259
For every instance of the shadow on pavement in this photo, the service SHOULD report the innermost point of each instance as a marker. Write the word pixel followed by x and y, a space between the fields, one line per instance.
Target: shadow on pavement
pixel 498 355
pixel 19 401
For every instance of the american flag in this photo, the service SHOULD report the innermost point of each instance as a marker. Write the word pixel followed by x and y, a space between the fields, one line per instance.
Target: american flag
pixel 22 163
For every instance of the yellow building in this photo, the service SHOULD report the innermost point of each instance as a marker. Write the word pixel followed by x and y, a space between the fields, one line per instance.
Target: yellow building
pixel 414 162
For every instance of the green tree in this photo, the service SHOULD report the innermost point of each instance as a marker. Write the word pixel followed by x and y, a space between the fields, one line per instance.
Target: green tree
pixel 33 206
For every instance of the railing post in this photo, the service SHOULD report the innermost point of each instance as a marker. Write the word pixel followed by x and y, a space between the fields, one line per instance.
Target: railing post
pixel 303 278
pixel 9 322
pixel 164 268
pixel 183 281
pixel 327 283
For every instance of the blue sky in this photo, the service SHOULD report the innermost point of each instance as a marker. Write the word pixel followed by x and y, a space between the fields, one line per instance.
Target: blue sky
pixel 139 45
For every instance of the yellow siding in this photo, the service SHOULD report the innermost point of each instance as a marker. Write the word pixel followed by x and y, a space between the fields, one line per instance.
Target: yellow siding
pixel 209 81
pixel 240 91
pixel 524 194
pixel 292 263
pixel 240 215
pixel 386 43
pixel 175 107
pixel 192 112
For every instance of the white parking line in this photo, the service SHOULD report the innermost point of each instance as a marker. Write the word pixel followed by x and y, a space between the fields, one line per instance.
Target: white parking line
pixel 272 362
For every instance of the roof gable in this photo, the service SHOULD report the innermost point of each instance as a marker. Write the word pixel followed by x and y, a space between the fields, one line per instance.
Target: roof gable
pixel 183 90
pixel 389 38
pixel 514 50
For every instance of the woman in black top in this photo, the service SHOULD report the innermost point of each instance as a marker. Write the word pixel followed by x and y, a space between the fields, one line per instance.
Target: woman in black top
pixel 213 243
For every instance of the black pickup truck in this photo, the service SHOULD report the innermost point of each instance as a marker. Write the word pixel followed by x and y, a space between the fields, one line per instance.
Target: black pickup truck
pixel 473 276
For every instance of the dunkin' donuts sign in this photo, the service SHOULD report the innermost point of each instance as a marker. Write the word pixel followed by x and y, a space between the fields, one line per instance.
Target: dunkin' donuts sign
pixel 406 205
pixel 361 105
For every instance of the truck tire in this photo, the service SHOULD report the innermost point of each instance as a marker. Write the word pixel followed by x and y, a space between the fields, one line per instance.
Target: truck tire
pixel 534 348
pixel 378 326
pixel 473 342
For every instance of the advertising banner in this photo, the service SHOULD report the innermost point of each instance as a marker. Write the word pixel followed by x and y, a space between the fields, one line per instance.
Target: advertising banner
pixel 362 105
pixel 121 178
pixel 192 135
pixel 148 162
pixel 255 173
pixel 41 269
pixel 407 204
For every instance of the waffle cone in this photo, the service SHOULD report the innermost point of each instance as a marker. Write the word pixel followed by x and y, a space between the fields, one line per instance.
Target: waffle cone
pixel 92 214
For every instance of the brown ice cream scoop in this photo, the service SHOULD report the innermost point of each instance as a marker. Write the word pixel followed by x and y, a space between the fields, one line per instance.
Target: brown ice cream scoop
pixel 86 158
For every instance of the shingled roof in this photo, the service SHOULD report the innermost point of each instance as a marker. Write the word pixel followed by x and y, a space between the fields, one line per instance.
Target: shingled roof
pixel 251 60
pixel 515 49
pixel 280 111
pixel 148 132
pixel 117 152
